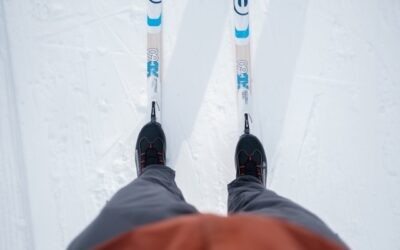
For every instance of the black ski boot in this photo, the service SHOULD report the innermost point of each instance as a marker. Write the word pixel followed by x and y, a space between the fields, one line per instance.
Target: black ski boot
pixel 250 158
pixel 150 146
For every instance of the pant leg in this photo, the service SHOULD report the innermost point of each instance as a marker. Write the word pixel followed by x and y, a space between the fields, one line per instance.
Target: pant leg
pixel 247 194
pixel 152 197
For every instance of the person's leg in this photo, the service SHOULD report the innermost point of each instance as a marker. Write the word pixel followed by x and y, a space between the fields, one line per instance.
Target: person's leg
pixel 248 194
pixel 152 197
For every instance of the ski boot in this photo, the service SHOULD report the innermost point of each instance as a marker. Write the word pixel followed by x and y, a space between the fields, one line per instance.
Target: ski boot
pixel 250 158
pixel 150 146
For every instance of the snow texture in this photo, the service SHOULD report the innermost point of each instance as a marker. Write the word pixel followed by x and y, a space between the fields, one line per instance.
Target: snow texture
pixel 73 98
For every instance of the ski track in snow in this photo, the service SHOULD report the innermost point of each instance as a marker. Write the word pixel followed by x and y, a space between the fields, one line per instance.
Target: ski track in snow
pixel 73 98
pixel 15 218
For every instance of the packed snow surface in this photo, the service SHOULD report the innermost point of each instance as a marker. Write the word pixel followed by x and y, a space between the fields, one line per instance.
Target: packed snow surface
pixel 326 97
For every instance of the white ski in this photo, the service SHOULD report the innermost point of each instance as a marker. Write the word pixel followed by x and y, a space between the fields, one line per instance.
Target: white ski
pixel 154 35
pixel 243 67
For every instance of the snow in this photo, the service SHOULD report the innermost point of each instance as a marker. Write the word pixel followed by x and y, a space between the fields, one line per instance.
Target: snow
pixel 73 98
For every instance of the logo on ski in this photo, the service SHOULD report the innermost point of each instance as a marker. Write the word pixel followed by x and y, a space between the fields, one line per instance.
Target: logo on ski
pixel 245 96
pixel 154 84
pixel 240 7
pixel 242 75
pixel 152 62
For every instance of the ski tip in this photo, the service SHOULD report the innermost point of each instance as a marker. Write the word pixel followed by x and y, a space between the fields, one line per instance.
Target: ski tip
pixel 155 1
pixel 241 7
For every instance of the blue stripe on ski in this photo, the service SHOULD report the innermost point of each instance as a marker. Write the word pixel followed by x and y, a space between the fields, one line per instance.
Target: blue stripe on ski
pixel 155 2
pixel 242 33
pixel 154 22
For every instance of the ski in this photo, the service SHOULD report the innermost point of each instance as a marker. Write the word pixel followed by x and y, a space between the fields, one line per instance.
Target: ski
pixel 250 153
pixel 151 135
pixel 243 67
pixel 154 36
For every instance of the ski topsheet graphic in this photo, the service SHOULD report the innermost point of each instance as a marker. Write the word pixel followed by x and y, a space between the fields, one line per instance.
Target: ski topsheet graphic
pixel 243 69
pixel 154 28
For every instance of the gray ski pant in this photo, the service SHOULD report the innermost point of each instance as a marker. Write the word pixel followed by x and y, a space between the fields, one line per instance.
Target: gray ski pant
pixel 154 196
